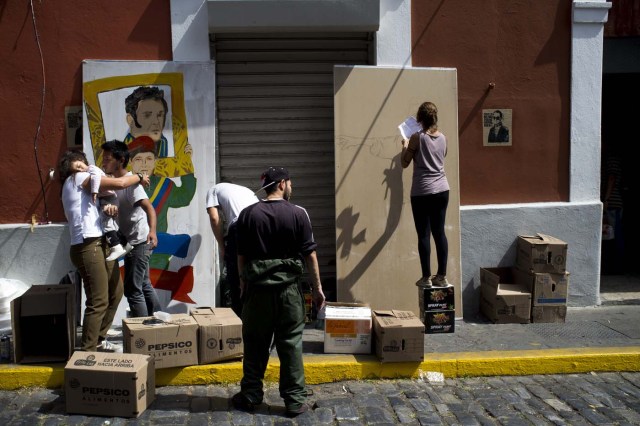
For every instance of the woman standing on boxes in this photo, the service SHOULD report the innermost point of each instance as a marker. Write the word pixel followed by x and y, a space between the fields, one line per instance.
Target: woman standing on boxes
pixel 429 192
pixel 101 279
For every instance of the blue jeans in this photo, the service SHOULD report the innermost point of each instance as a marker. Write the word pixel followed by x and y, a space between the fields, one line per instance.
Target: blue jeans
pixel 142 297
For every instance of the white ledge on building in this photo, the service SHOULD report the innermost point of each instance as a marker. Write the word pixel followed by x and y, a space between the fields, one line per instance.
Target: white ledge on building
pixel 590 12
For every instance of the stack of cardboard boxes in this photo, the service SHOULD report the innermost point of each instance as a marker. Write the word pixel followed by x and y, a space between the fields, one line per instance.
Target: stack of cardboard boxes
pixel 437 309
pixel 124 384
pixel 535 290
pixel 541 264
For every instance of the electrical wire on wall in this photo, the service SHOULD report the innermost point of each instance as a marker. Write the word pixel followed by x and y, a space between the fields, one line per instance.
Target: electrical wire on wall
pixel 35 139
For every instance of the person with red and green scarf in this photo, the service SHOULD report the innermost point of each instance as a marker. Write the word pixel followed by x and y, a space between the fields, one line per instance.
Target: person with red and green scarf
pixel 163 193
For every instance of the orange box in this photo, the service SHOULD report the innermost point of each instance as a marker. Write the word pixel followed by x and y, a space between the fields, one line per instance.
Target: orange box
pixel 347 328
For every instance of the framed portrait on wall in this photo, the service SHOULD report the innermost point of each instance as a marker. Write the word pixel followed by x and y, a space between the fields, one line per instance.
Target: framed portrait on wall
pixel 159 114
pixel 73 126
pixel 497 129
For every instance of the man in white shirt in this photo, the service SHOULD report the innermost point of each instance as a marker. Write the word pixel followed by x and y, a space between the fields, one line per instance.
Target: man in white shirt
pixel 137 221
pixel 231 199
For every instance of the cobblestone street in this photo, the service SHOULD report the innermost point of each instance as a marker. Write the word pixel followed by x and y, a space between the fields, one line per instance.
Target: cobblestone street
pixel 577 399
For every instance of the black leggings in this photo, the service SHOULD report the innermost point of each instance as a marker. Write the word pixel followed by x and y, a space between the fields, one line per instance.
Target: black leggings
pixel 429 212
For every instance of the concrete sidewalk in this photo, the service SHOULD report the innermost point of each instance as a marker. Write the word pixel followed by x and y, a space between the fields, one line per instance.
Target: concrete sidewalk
pixel 605 338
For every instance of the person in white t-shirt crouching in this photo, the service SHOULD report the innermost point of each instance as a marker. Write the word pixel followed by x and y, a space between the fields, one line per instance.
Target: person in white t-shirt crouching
pixel 231 199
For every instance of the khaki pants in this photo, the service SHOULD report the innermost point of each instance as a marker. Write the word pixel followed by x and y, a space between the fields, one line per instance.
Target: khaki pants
pixel 102 287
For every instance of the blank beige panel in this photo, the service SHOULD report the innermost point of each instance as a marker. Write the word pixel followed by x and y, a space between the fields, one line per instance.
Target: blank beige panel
pixel 376 243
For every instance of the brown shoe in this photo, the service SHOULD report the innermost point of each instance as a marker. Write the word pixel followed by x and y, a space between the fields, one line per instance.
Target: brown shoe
pixel 440 281
pixel 424 282
pixel 296 412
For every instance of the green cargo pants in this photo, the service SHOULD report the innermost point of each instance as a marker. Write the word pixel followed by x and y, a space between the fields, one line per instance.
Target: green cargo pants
pixel 273 310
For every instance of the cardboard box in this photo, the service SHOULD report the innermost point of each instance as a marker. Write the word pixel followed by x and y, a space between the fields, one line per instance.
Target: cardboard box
pixel 548 314
pixel 541 253
pixel 436 322
pixel 435 299
pixel 501 299
pixel 399 336
pixel 547 289
pixel 219 334
pixel 171 344
pixel 44 324
pixel 109 384
pixel 347 328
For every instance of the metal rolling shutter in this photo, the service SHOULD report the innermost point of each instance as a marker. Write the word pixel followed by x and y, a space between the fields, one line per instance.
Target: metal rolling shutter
pixel 275 107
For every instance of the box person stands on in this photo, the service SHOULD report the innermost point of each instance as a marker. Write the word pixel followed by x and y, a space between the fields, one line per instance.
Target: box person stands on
pixel 44 324
pixel 435 299
pixel 399 336
pixel 437 322
pixel 109 384
pixel 541 253
pixel 219 334
pixel 347 328
pixel 172 344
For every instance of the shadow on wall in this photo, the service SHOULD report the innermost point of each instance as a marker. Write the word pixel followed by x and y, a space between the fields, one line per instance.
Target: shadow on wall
pixel 346 224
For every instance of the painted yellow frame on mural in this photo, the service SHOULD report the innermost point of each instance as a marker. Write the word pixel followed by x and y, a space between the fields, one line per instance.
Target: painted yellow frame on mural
pixel 178 165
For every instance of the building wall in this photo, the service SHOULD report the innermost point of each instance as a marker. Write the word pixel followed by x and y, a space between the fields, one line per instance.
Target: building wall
pixel 68 32
pixel 524 50
pixel 489 232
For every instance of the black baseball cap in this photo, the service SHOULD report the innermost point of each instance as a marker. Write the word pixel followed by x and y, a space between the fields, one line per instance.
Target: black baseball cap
pixel 273 175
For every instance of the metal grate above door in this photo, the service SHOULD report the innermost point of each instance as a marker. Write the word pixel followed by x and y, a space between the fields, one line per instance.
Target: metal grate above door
pixel 275 107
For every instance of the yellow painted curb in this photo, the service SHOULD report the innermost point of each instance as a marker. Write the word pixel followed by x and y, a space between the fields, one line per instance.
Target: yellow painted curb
pixel 334 368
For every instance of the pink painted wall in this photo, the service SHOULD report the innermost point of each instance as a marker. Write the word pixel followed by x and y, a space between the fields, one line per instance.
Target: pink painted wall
pixel 70 31
pixel 524 48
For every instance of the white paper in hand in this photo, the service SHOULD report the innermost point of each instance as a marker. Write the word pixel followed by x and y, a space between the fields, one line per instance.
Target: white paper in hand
pixel 409 127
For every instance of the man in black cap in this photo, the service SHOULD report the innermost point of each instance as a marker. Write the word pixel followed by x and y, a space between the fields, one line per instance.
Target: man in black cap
pixel 274 238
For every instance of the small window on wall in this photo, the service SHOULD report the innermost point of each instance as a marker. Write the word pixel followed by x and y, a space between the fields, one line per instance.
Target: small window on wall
pixel 497 127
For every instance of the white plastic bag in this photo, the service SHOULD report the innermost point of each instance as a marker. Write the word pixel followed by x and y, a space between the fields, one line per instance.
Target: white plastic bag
pixel 9 290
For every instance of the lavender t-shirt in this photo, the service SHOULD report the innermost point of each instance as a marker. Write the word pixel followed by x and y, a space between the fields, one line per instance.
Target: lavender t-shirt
pixel 428 165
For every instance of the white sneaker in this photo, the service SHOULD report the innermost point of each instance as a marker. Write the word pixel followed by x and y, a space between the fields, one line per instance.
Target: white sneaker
pixel 440 281
pixel 107 346
pixel 424 282
pixel 116 252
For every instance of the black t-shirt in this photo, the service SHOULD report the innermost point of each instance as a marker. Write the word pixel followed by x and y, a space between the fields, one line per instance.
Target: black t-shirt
pixel 274 229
